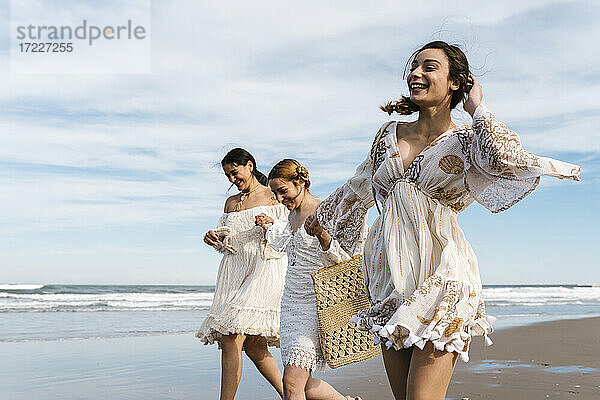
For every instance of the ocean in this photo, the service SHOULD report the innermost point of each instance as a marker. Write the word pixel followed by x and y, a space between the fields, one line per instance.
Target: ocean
pixel 69 312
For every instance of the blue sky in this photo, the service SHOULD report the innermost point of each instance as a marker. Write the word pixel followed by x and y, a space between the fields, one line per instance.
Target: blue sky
pixel 114 178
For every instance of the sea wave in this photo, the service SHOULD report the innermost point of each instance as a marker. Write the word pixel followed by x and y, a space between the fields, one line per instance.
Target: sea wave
pixel 70 312
pixel 20 287
pixel 539 296
pixel 60 302
pixel 21 298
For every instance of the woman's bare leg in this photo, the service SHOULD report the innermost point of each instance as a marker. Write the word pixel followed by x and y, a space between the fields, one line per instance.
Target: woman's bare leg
pixel 294 382
pixel 256 349
pixel 231 365
pixel 397 364
pixel 316 389
pixel 429 373
pixel 298 384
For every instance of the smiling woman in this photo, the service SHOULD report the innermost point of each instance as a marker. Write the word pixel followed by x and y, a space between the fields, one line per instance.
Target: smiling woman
pixel 421 274
pixel 245 310
pixel 308 250
pixel 457 70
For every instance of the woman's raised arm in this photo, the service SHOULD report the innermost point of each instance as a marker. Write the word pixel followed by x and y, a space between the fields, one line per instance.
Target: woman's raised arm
pixel 499 171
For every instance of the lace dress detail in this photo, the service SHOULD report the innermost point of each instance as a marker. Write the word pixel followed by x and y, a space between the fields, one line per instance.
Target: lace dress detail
pixel 421 274
pixel 250 279
pixel 299 338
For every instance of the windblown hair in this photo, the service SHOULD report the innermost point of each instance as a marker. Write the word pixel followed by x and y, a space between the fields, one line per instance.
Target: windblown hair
pixel 290 170
pixel 239 156
pixel 459 70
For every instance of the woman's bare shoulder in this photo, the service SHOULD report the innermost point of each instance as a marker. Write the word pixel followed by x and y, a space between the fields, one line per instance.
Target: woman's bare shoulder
pixel 230 203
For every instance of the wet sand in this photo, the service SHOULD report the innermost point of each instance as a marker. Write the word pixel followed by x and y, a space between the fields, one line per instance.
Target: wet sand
pixel 549 360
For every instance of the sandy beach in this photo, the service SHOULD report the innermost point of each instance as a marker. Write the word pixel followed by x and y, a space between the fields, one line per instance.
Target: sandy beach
pixel 549 360
pixel 555 360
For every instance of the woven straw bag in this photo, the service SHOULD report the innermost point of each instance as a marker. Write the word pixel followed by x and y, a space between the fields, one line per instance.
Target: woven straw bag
pixel 340 294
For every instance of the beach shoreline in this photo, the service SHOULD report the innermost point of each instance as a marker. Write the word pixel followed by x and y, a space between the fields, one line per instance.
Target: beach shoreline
pixel 549 360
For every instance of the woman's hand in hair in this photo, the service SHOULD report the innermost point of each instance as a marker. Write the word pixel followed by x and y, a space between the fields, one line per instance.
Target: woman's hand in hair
pixel 474 97
pixel 264 221
pixel 212 238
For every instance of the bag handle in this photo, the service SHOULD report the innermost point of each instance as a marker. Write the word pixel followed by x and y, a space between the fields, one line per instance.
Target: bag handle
pixel 377 140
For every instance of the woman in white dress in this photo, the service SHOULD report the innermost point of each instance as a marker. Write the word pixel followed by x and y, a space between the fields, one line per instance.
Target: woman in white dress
pixel 421 274
pixel 300 349
pixel 246 305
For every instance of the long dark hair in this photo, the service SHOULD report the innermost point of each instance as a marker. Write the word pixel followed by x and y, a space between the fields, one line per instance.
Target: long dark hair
pixel 459 70
pixel 239 156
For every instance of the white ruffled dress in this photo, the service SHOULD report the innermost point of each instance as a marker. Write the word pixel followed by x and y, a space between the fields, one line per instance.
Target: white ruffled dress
pixel 250 279
pixel 300 344
pixel 421 274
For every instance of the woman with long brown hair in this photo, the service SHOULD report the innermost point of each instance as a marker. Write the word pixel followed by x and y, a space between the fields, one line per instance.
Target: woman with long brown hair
pixel 421 274
pixel 246 305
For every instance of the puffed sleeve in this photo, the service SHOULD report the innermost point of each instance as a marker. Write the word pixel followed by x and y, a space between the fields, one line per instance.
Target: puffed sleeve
pixel 499 172
pixel 335 254
pixel 280 216
pixel 344 213
pixel 278 235
pixel 280 213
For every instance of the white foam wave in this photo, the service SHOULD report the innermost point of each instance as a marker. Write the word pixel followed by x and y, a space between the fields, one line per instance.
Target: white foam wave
pixel 89 302
pixel 536 296
pixel 21 302
pixel 11 286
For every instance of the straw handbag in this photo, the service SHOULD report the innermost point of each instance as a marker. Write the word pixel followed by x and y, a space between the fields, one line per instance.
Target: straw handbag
pixel 340 294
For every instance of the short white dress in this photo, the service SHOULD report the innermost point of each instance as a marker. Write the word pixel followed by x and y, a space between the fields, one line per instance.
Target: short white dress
pixel 300 344
pixel 250 279
pixel 421 274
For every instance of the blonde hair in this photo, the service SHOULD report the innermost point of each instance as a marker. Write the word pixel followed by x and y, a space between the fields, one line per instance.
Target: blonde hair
pixel 290 170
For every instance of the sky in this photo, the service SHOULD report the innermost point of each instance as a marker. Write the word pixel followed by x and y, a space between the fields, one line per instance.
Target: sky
pixel 113 178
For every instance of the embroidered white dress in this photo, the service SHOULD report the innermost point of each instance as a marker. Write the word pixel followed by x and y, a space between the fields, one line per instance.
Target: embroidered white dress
pixel 250 279
pixel 421 274
pixel 300 344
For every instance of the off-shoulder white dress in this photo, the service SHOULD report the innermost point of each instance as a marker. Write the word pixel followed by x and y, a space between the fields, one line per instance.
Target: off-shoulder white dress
pixel 300 344
pixel 250 279
pixel 421 274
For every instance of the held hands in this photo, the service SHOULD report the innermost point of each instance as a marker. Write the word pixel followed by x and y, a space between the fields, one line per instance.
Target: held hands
pixel 313 228
pixel 212 238
pixel 264 221
pixel 474 97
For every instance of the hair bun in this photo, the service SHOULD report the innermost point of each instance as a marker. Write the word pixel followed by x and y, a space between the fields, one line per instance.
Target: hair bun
pixel 302 172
